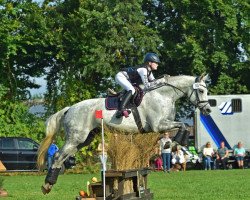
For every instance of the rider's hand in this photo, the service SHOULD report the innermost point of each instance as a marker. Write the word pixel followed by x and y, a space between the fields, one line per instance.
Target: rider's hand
pixel 159 81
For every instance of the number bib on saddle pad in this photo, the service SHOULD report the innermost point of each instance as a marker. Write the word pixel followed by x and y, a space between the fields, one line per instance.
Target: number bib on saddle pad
pixel 113 102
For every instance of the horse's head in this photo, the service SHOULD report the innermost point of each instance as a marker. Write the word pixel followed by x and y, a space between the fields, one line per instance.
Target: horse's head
pixel 198 94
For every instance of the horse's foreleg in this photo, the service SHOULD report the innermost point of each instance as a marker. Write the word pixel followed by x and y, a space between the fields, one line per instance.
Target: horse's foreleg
pixel 181 136
pixel 167 125
pixel 50 180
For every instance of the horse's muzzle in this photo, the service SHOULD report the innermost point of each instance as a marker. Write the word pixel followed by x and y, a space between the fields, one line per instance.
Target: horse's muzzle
pixel 206 110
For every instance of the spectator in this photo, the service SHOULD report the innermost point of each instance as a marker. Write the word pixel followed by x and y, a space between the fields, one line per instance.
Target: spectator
pixel 103 159
pixel 51 153
pixel 158 163
pixel 208 153
pixel 239 153
pixel 165 151
pixel 178 159
pixel 222 156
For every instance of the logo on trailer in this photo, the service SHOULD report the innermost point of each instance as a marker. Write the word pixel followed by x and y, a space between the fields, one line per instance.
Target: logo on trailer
pixel 226 108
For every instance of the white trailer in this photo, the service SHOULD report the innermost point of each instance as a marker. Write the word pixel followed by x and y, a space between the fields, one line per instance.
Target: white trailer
pixel 229 121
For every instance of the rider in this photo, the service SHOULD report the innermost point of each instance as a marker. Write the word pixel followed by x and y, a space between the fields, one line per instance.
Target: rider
pixel 132 75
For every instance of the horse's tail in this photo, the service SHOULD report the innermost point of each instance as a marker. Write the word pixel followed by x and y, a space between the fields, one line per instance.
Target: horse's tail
pixel 53 125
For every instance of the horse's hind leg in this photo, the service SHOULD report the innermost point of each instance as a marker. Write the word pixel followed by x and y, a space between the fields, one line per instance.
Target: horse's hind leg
pixel 68 150
pixel 51 178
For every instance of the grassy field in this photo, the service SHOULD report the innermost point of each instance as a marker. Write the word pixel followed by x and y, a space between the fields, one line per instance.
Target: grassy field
pixel 191 185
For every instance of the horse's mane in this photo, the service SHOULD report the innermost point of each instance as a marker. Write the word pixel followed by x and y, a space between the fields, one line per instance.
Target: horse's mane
pixel 175 82
pixel 175 77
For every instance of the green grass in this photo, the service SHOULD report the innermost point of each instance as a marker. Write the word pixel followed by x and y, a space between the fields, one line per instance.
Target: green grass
pixel 195 185
pixel 190 185
pixel 28 187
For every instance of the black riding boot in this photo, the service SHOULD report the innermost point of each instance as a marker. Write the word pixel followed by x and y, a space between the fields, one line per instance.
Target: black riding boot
pixel 124 102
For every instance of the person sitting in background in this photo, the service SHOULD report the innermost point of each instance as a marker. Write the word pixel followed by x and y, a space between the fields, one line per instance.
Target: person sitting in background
pixel 51 152
pixel 158 163
pixel 178 159
pixel 239 153
pixel 222 156
pixel 208 153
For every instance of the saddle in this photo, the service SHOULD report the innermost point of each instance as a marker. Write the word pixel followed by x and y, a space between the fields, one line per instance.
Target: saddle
pixel 112 102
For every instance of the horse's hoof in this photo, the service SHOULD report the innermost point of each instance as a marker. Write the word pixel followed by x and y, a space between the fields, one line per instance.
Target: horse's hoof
pixel 46 188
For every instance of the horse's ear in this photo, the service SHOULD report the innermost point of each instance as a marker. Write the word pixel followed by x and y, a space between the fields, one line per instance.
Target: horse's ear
pixel 201 76
pixel 204 77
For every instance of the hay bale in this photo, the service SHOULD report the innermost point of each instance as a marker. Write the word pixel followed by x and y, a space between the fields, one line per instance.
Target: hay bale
pixel 131 151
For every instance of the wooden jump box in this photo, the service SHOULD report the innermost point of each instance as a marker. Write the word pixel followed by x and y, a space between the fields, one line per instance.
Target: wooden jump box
pixel 123 185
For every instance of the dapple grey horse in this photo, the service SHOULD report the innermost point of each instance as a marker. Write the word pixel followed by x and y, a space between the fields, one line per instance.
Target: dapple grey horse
pixel 157 113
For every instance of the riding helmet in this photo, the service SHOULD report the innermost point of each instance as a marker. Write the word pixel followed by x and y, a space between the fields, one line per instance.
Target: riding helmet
pixel 151 57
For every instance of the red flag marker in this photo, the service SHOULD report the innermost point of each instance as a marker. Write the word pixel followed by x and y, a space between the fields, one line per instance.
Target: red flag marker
pixel 98 114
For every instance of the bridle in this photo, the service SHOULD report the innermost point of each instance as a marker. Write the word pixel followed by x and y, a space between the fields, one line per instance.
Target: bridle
pixel 199 104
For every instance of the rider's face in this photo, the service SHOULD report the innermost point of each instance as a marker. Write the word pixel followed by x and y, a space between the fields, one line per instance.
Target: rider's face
pixel 153 65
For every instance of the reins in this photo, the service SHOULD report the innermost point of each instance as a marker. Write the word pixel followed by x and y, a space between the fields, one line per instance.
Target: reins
pixel 198 101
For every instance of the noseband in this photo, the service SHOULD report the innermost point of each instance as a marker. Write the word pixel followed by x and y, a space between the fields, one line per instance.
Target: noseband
pixel 200 104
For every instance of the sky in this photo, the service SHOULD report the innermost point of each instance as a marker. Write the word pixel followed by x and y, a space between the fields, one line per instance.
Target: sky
pixel 42 89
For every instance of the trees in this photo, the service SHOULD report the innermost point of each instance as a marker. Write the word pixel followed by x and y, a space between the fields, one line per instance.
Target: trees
pixel 80 45
pixel 23 54
pixel 98 38
pixel 24 43
pixel 15 119
pixel 208 36
pixel 204 36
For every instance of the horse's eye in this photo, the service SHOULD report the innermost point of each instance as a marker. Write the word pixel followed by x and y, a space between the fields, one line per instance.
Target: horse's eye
pixel 201 91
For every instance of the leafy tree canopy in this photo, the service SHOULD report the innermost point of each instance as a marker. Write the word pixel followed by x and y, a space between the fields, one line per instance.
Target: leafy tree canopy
pixel 16 120
pixel 208 36
pixel 26 46
pixel 98 38
pixel 80 44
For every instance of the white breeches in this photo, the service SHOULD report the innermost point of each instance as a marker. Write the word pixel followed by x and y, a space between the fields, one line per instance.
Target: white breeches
pixel 121 79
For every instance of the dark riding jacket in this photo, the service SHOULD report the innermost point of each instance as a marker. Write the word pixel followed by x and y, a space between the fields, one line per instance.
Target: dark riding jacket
pixel 134 76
